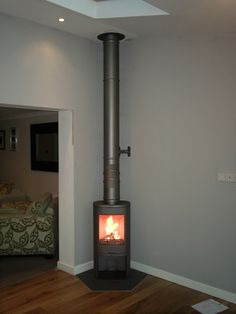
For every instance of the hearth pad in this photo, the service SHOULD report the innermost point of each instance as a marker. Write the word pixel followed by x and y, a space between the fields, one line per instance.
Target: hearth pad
pixel 98 284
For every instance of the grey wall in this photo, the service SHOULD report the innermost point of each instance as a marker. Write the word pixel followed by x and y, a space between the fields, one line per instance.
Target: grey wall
pixel 16 165
pixel 178 113
pixel 46 68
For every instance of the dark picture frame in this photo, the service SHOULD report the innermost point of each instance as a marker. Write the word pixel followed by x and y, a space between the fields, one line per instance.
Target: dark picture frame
pixel 44 146
pixel 2 139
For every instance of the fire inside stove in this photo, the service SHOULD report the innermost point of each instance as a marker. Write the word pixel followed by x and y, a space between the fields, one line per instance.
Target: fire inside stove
pixel 111 229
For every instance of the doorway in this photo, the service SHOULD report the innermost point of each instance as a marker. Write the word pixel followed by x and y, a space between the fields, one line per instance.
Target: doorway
pixel 66 187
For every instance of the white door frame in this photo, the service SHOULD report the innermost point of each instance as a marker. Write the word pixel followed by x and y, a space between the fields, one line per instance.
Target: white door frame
pixel 66 193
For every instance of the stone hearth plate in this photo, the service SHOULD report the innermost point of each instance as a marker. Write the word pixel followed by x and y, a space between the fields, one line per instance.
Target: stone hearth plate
pixel 98 284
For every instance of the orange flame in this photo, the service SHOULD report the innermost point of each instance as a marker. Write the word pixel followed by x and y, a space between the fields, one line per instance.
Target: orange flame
pixel 111 227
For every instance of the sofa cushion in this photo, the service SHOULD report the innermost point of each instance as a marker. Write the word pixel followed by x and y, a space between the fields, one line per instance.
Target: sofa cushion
pixel 39 206
pixel 27 234
pixel 52 207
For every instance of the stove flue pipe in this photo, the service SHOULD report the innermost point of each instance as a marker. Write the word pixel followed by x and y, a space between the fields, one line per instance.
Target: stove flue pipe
pixel 111 117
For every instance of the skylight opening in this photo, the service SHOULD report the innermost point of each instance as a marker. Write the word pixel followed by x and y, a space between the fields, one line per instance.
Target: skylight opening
pixel 102 9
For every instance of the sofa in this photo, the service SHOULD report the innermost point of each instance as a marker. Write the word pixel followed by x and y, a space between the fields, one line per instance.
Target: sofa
pixel 30 229
pixel 9 193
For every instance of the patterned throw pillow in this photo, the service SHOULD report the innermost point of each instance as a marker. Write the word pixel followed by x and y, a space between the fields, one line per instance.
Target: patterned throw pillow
pixel 52 207
pixel 38 207
pixel 6 188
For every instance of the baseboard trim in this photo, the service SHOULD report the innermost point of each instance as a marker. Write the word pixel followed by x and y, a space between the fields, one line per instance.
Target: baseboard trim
pixel 66 267
pixel 74 270
pixel 83 267
pixel 189 283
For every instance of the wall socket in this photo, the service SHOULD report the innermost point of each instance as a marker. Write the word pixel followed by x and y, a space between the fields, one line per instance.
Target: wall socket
pixel 226 177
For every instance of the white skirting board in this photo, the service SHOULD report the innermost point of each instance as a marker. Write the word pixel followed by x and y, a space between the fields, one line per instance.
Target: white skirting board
pixel 189 283
pixel 65 267
pixel 74 270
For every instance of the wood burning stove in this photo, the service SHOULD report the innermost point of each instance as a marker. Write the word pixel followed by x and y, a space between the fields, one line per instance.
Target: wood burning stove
pixel 111 216
pixel 111 239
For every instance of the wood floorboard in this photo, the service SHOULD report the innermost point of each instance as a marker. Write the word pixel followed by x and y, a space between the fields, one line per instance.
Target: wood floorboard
pixel 44 279
pixel 54 292
pixel 136 297
pixel 176 298
pixel 42 290
pixel 58 292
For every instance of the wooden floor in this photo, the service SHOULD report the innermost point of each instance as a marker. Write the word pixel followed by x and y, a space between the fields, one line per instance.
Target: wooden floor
pixel 59 292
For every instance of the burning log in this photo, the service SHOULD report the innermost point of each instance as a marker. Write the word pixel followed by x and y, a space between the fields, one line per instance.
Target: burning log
pixel 111 236
pixel 111 241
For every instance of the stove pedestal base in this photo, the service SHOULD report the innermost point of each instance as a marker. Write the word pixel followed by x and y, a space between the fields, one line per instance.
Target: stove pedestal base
pixel 98 284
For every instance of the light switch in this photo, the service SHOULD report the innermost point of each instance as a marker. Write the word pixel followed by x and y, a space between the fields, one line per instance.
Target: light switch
pixel 226 177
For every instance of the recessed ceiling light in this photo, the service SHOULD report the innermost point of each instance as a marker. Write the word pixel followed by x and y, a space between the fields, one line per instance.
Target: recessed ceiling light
pixel 61 19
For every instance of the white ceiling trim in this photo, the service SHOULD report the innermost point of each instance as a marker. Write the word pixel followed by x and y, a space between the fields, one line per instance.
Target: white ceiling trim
pixel 111 8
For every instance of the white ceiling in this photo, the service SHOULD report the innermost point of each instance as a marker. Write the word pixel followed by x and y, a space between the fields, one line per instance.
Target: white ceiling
pixel 187 17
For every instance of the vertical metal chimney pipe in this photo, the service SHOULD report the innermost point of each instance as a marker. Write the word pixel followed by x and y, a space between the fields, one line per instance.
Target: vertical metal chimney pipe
pixel 111 116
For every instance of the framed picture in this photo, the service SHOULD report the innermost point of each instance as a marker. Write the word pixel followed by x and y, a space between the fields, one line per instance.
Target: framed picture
pixel 44 146
pixel 2 139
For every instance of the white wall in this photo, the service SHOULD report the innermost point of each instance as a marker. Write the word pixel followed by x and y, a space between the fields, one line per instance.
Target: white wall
pixel 16 165
pixel 178 114
pixel 46 68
